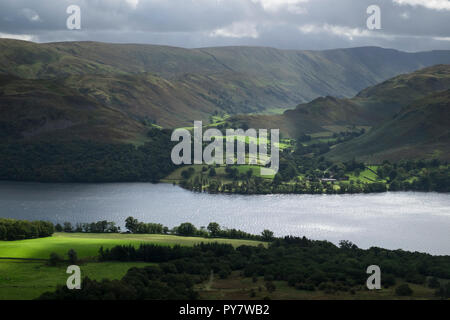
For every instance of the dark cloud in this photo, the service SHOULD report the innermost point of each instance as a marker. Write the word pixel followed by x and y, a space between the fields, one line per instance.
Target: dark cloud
pixel 410 25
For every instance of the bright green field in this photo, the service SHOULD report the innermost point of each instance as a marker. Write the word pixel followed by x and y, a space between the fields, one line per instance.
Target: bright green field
pixel 22 279
pixel 175 176
pixel 366 175
pixel 87 245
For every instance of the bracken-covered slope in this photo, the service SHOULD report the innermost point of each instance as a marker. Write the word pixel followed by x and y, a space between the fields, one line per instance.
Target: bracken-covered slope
pixel 174 86
pixel 421 130
pixel 371 107
pixel 45 109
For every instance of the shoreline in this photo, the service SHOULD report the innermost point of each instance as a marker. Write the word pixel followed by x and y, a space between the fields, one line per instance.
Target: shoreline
pixel 217 193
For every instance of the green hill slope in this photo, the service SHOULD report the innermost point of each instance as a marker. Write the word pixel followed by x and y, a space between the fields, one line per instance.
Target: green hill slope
pixel 371 107
pixel 420 130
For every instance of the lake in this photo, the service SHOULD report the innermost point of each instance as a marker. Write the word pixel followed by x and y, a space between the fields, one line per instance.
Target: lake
pixel 404 220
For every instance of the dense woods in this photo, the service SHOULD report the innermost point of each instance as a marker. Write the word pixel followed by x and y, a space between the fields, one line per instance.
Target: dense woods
pixel 138 284
pixel 87 161
pixel 11 229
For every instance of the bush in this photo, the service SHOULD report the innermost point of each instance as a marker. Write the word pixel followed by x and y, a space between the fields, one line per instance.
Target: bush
pixel 55 259
pixel 403 290
pixel 388 280
pixel 223 274
pixel 433 283
pixel 73 258
pixel 443 291
pixel 270 286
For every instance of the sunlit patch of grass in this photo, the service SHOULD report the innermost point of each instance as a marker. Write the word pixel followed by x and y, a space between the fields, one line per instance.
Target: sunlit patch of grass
pixel 88 244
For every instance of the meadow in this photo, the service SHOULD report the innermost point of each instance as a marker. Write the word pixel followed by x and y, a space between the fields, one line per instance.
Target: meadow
pixel 25 279
pixel 87 245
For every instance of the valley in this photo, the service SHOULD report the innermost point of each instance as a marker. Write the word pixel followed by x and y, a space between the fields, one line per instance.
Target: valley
pixel 97 112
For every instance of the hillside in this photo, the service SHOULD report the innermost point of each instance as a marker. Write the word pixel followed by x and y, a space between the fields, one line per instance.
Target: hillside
pixel 371 107
pixel 173 86
pixel 45 109
pixel 420 130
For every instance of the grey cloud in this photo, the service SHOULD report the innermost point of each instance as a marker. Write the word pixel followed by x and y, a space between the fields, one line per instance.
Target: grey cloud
pixel 199 23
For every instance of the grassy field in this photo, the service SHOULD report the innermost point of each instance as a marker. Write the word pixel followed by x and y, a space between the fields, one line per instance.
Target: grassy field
pixel 87 245
pixel 368 175
pixel 175 176
pixel 27 279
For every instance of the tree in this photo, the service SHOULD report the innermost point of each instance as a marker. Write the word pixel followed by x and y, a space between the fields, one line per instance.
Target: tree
pixel 278 179
pixel 67 227
pixel 214 229
pixel 186 229
pixel 345 244
pixel 212 172
pixel 131 224
pixel 443 291
pixel 267 235
pixel 434 283
pixel 186 174
pixel 3 232
pixel 73 258
pixel 403 290
pixel 270 286
pixel 58 228
pixel 55 259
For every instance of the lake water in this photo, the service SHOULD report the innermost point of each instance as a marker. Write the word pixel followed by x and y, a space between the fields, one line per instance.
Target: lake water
pixel 406 220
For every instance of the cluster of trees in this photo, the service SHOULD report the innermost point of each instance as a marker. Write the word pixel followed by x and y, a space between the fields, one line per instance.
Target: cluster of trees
pixel 135 226
pixel 214 230
pixel 432 175
pixel 302 263
pixel 11 229
pixel 150 283
pixel 56 259
pixel 94 227
pixel 87 161
pixel 187 229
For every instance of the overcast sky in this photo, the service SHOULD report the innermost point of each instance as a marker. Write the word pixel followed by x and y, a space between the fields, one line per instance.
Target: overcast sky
pixel 410 25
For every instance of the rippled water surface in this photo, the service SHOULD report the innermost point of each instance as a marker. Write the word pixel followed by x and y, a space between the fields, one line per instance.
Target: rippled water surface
pixel 406 220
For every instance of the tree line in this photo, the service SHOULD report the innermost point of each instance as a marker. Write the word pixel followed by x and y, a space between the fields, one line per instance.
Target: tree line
pixel 186 229
pixel 11 229
pixel 94 227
